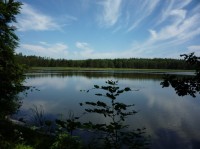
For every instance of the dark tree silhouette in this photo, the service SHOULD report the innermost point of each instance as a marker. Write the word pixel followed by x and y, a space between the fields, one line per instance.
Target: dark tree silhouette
pixel 134 63
pixel 11 73
pixel 185 85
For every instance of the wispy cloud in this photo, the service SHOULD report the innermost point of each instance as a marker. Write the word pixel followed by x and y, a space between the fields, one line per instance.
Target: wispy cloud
pixel 172 30
pixel 181 3
pixel 142 28
pixel 57 50
pixel 182 29
pixel 175 32
pixel 165 12
pixel 86 50
pixel 195 49
pixel 60 50
pixel 31 19
pixel 82 45
pixel 144 10
pixel 170 6
pixel 110 13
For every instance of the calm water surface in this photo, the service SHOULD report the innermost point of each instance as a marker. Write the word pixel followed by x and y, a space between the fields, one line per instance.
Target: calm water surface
pixel 170 120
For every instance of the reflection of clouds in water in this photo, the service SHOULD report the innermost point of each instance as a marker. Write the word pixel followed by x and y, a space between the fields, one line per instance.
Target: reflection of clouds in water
pixel 159 109
pixel 82 83
pixel 169 111
pixel 66 96
pixel 37 102
pixel 43 83
pixel 62 109
pixel 135 83
pixel 49 106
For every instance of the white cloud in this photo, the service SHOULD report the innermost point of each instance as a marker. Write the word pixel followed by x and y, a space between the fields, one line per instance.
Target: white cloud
pixel 174 28
pixel 153 33
pixel 182 3
pixel 57 50
pixel 180 30
pixel 44 43
pixel 181 13
pixel 195 49
pixel 170 24
pixel 82 45
pixel 111 12
pixel 31 19
pixel 86 52
pixel 170 7
pixel 60 50
pixel 52 82
pixel 144 10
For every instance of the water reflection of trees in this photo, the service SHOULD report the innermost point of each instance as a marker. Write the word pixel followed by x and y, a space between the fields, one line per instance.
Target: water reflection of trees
pixel 185 85
pixel 98 74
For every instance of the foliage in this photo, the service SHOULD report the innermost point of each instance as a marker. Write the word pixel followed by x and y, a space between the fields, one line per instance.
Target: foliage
pixel 22 146
pixel 39 121
pixel 66 141
pixel 136 63
pixel 11 73
pixel 185 85
pixel 38 116
pixel 69 125
pixel 9 135
pixel 115 132
pixel 12 135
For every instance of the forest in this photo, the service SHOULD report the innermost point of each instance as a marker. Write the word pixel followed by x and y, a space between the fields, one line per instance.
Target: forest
pixel 58 133
pixel 132 63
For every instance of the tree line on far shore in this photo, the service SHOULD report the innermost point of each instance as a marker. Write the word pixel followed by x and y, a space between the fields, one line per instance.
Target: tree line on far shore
pixel 135 63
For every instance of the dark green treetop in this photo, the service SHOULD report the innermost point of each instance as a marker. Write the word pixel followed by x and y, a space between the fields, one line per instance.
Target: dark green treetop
pixel 11 73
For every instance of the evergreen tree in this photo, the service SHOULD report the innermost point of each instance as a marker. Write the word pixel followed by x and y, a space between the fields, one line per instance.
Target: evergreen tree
pixel 11 73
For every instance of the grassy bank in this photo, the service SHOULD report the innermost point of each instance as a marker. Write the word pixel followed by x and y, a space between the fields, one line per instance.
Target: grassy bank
pixel 12 135
pixel 103 69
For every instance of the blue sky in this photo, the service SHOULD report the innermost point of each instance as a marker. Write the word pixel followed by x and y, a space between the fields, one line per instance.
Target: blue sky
pixel 83 29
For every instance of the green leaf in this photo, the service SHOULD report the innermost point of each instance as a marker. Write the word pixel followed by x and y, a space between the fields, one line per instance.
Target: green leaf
pixel 105 87
pixel 61 123
pixel 102 104
pixel 127 89
pixel 110 96
pixel 90 103
pixel 98 94
pixel 120 91
pixel 96 86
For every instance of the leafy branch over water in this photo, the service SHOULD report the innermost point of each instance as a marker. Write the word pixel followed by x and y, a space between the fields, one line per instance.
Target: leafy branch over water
pixel 185 85
pixel 115 132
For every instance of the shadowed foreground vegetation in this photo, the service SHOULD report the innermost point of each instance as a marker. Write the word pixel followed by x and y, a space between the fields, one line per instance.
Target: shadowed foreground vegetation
pixel 113 133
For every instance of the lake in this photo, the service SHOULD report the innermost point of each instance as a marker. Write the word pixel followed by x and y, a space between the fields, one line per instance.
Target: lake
pixel 170 120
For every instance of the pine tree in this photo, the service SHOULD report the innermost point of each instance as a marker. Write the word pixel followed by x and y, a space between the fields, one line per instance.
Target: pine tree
pixel 11 73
